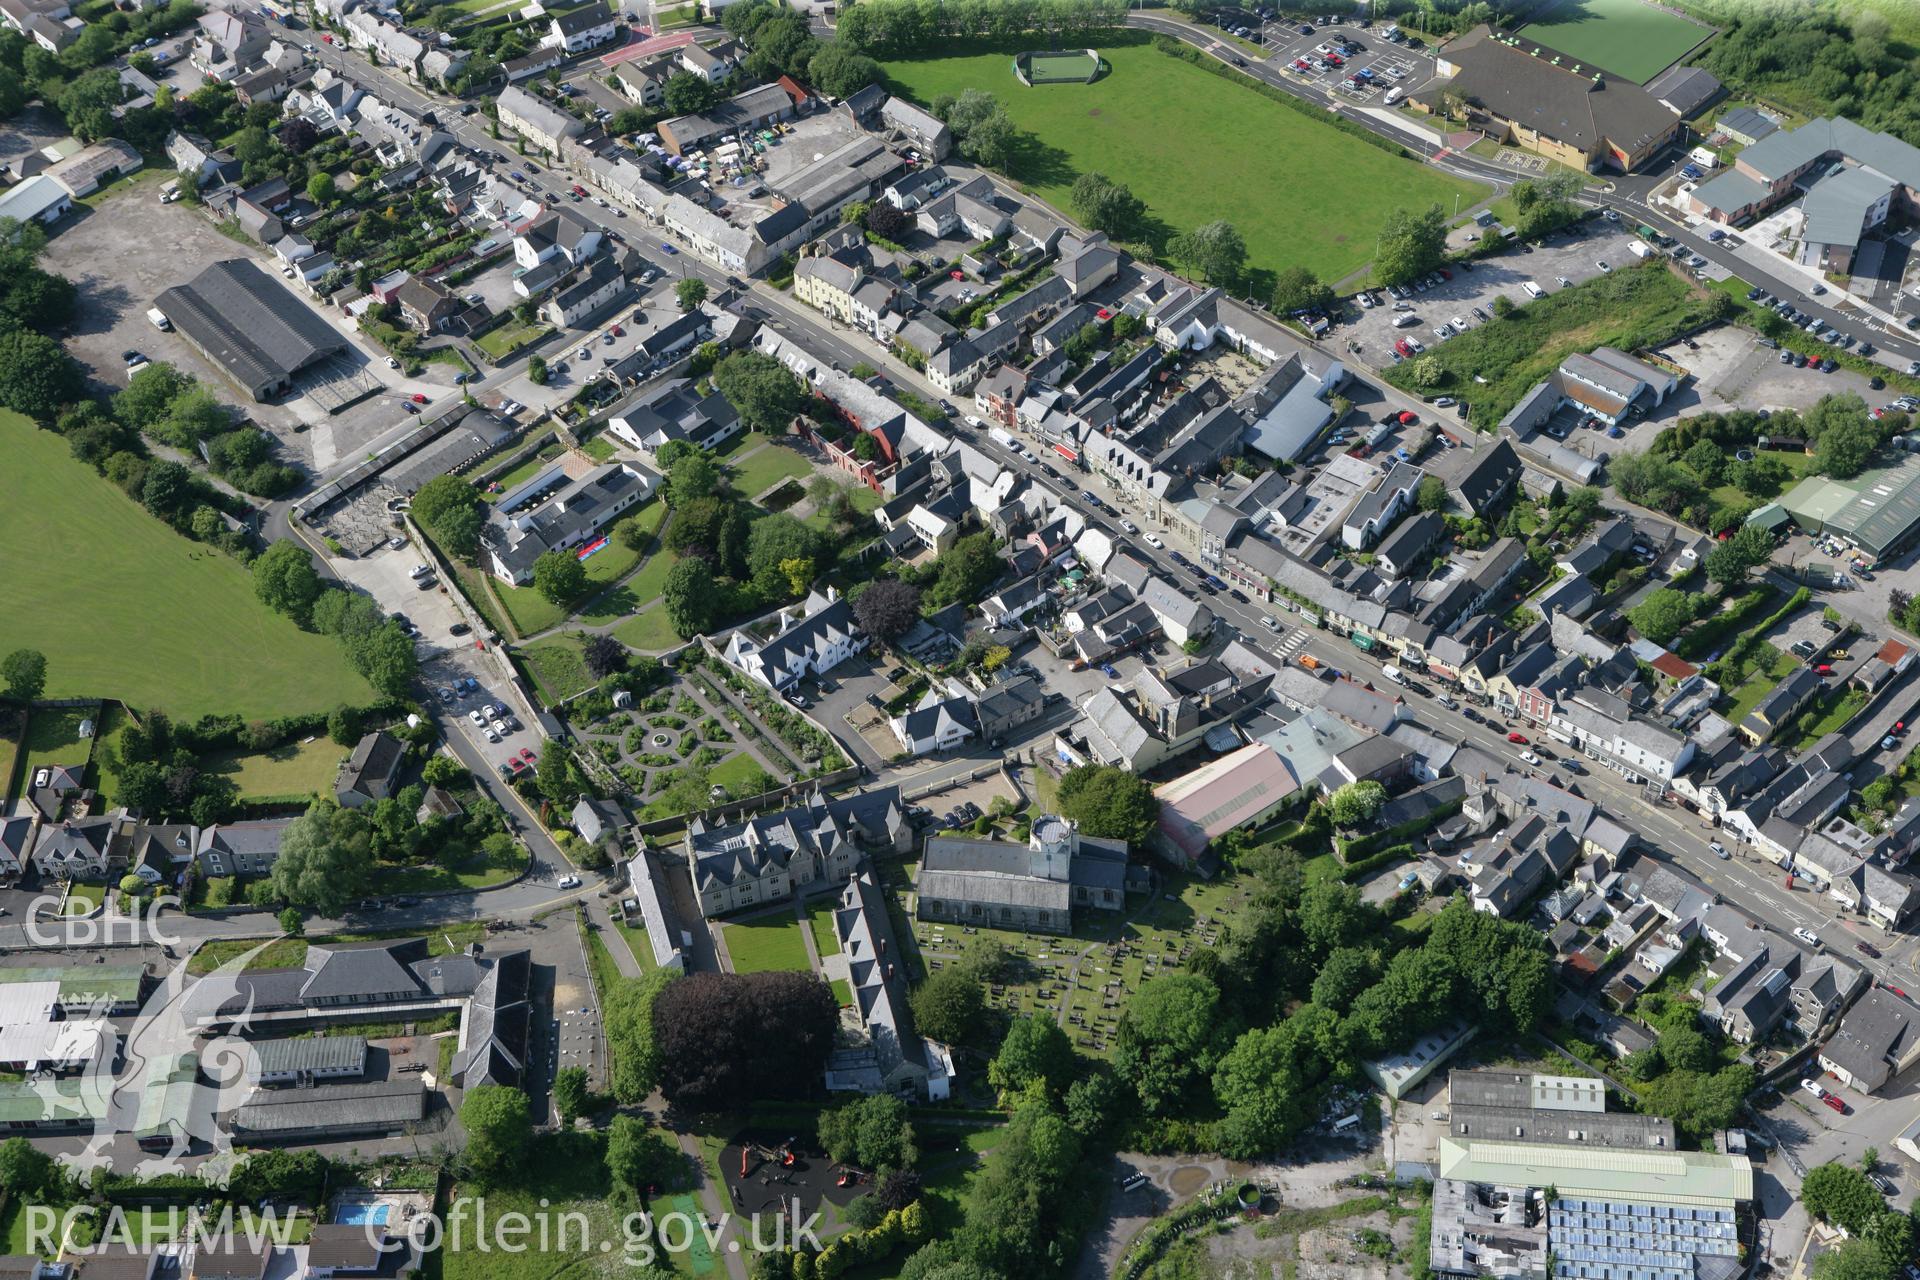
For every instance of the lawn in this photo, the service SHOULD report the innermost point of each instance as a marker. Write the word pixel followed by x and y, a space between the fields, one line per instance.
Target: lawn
pixel 1639 306
pixel 508 338
pixel 1829 713
pixel 1300 192
pixel 557 667
pixel 622 600
pixel 525 471
pixel 471 870
pixel 533 613
pixel 1758 685
pixel 638 943
pixel 649 632
pixel 53 737
pixel 169 623
pixel 820 920
pixel 770 943
pixel 83 898
pixel 1626 38
pixel 297 769
pixel 9 752
pixel 765 467
pixel 733 772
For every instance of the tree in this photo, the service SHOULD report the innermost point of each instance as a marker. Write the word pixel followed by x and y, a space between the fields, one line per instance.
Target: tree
pixel 689 94
pixel 690 293
pixel 949 1005
pixel 326 856
pixel 1110 803
pixel 1215 249
pixel 1841 1194
pixel 871 1132
pixel 321 189
pixel 1410 244
pixel 148 393
pixel 1663 614
pixel 1035 1050
pixel 1344 975
pixel 1106 205
pixel 1167 1038
pixel 604 656
pixel 570 1097
pixel 343 725
pixel 1854 1259
pixel 1845 448
pixel 1431 494
pixel 292 923
pixel 887 222
pixel 36 375
pixel 640 1158
pixel 285 580
pixel 554 773
pixel 1357 803
pixel 839 72
pixel 24 672
pixel 499 1125
pixel 1427 372
pixel 537 372
pixel 385 657
pixel 1729 563
pixel 715 1031
pixel 559 576
pixel 692 476
pixel 452 509
pixel 30 1175
pixel 887 608
pixel 635 1049
pixel 761 390
pixel 1299 289
pixel 688 597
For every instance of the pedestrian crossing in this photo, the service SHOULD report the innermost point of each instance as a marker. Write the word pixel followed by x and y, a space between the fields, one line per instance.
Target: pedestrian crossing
pixel 1296 641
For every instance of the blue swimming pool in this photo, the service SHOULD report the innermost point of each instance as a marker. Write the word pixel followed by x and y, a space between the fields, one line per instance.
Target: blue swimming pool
pixel 355 1215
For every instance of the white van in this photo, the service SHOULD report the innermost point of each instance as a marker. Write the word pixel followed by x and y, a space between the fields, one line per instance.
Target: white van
pixel 1533 290
pixel 1346 1122
pixel 1394 95
pixel 1405 319
pixel 1394 674
pixel 158 319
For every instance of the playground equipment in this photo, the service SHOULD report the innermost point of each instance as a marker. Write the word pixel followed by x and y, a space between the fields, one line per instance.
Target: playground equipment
pixel 783 1155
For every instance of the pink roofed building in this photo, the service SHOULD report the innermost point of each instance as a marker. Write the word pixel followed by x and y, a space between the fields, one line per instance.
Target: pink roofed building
pixel 1241 789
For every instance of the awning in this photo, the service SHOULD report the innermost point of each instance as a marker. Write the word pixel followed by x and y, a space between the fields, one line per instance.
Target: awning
pixel 1361 640
pixel 1070 455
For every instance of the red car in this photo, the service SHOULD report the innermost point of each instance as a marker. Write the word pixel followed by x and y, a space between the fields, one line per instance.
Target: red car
pixel 517 764
pixel 1402 347
pixel 526 753
pixel 618 332
pixel 1897 991
pixel 1335 60
pixel 1408 418
pixel 418 398
pixel 1517 737
pixel 1836 1102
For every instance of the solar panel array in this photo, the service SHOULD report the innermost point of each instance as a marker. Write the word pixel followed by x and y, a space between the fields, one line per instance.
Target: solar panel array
pixel 1610 1240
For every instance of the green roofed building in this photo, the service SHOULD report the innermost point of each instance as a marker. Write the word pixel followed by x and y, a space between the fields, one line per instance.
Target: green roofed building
pixel 1877 511
pixel 51 1106
pixel 103 988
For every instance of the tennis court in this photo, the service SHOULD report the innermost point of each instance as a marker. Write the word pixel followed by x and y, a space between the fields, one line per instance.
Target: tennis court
pixel 1627 38
pixel 1073 67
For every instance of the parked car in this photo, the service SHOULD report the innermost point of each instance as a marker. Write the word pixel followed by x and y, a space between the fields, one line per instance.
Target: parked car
pixel 1517 737
pixel 568 882
pixel 1807 936
pixel 1719 850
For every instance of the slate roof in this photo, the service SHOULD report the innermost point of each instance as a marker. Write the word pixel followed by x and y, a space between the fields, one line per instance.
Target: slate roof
pixel 249 323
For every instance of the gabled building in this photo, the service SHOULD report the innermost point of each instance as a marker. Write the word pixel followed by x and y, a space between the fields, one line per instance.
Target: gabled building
pixel 771 857
pixel 887 1054
pixel 581 29
pixel 369 774
pixel 820 638
pixel 1034 887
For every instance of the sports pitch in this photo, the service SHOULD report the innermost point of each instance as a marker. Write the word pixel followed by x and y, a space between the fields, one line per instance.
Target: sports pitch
pixel 124 607
pixel 1300 192
pixel 1627 38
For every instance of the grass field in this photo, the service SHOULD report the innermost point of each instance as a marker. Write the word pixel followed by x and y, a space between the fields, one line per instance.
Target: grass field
pixel 1626 38
pixel 10 727
pixel 732 772
pixel 771 943
pixel 533 613
pixel 293 770
pixel 1300 192
pixel 820 920
pixel 169 623
pixel 508 338
pixel 470 871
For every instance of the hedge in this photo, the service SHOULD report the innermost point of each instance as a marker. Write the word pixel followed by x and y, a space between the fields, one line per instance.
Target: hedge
pixel 1365 845
pixel 1178 49
pixel 1702 637
pixel 1367 866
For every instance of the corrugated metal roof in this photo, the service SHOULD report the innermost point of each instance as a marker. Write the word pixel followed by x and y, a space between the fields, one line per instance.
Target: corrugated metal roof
pixel 1668 1177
